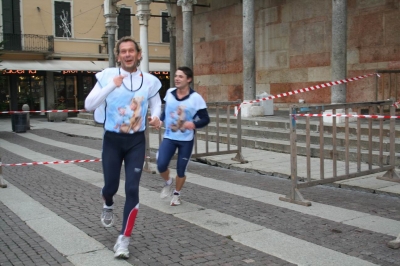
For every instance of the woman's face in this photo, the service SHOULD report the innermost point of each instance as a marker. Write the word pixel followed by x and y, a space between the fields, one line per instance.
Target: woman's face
pixel 181 80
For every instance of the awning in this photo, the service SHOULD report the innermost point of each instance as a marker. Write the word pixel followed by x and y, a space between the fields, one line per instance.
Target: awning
pixel 60 65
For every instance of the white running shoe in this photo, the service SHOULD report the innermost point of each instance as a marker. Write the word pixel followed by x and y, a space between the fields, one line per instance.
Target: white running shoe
pixel 107 216
pixel 167 190
pixel 176 200
pixel 121 247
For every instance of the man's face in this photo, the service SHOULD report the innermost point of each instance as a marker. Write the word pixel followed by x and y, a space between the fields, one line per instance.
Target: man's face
pixel 128 56
pixel 181 80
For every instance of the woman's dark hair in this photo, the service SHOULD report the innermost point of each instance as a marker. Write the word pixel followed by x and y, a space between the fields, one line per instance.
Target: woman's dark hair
pixel 126 39
pixel 188 72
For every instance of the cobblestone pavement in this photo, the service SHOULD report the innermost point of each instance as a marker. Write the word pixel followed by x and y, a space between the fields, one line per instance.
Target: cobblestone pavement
pixel 165 238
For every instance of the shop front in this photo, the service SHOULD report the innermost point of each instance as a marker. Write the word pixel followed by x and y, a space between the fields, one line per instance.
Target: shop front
pixel 54 84
pixel 71 88
pixel 35 88
pixel 19 87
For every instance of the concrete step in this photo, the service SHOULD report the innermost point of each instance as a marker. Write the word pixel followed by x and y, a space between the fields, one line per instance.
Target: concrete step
pixel 283 146
pixel 83 121
pixel 284 123
pixel 284 134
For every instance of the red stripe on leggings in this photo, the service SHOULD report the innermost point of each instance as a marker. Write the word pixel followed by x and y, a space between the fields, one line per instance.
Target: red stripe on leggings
pixel 131 221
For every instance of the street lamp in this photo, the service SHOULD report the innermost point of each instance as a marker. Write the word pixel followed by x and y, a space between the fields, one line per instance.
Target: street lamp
pixel 104 38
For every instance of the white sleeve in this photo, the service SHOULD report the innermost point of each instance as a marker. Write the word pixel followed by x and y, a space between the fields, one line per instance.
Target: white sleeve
pixel 155 105
pixel 200 103
pixel 97 96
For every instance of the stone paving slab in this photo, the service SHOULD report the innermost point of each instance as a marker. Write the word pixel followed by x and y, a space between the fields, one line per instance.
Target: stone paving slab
pixel 260 259
pixel 301 253
pixel 212 221
pixel 370 223
pixel 219 223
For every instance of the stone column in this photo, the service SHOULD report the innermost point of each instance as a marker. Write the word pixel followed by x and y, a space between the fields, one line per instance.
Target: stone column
pixel 187 12
pixel 249 58
pixel 143 15
pixel 172 50
pixel 110 13
pixel 249 62
pixel 339 49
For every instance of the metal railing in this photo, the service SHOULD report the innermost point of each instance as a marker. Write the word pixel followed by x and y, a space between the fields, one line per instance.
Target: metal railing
pixel 206 142
pixel 27 42
pixel 379 158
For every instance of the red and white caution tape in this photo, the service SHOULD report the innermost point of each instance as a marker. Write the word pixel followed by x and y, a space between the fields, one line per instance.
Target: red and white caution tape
pixel 42 111
pixel 397 104
pixel 55 162
pixel 324 85
pixel 350 115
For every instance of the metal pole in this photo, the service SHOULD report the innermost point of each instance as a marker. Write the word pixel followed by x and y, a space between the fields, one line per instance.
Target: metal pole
pixel 2 184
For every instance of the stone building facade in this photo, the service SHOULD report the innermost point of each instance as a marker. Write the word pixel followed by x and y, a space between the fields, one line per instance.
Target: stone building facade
pixel 293 48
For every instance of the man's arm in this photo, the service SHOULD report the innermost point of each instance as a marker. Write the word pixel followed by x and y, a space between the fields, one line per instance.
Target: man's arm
pixel 97 96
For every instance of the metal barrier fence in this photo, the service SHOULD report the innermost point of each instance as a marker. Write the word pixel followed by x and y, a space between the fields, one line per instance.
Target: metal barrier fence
pixel 377 160
pixel 204 137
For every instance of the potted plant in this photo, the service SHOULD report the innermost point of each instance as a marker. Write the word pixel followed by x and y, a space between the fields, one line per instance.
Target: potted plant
pixel 57 116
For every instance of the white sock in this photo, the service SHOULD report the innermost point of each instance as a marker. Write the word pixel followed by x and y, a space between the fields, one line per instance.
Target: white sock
pixel 108 207
pixel 169 182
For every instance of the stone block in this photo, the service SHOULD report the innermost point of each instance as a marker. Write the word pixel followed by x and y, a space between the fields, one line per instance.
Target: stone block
pixel 319 73
pixel 249 110
pixel 310 60
pixel 57 117
pixel 328 120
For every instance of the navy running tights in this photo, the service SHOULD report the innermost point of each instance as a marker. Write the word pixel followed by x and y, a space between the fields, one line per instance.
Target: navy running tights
pixel 130 148
pixel 167 150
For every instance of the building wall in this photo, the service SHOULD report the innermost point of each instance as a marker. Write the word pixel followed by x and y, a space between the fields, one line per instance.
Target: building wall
pixel 88 25
pixel 293 47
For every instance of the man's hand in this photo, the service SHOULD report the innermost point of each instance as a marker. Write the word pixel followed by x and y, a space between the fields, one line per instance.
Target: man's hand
pixel 155 122
pixel 118 80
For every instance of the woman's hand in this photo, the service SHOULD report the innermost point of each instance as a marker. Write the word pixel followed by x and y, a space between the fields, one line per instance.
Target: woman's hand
pixel 189 125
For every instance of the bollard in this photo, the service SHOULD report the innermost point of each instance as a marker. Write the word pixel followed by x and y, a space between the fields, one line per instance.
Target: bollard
pixel 25 107
pixel 2 184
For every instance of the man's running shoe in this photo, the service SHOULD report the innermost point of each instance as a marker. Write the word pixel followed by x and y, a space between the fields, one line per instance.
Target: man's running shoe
pixel 107 216
pixel 121 247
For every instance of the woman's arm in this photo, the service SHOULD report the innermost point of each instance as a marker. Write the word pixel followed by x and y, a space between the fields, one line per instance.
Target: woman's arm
pixel 203 118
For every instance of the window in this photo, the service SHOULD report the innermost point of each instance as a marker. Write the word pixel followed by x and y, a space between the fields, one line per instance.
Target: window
pixel 11 25
pixel 164 27
pixel 124 22
pixel 62 19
